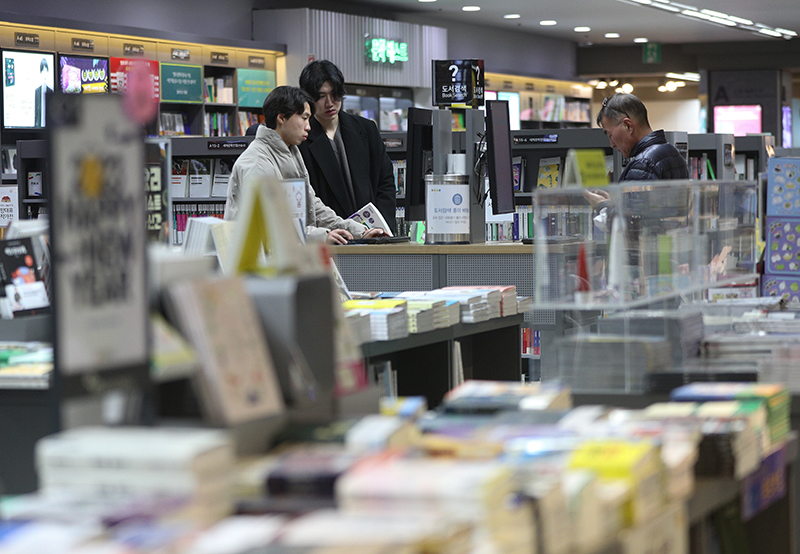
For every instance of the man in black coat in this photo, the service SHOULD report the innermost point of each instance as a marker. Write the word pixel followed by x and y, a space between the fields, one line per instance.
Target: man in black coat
pixel 346 160
pixel 623 118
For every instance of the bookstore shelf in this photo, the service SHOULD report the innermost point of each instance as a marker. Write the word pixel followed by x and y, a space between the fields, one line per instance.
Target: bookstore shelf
pixel 423 361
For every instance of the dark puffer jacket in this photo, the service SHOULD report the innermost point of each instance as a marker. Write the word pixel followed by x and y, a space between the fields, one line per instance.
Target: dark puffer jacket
pixel 653 158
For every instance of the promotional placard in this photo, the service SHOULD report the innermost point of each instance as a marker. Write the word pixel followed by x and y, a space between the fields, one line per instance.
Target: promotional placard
pixel 9 205
pixel 458 82
pixel 120 67
pixel 181 83
pixel 254 86
pixel 98 245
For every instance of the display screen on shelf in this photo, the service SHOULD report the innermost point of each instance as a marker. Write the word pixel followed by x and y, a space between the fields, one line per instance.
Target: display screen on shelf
pixel 28 79
pixel 83 74
pixel 737 120
pixel 498 148
pixel 513 107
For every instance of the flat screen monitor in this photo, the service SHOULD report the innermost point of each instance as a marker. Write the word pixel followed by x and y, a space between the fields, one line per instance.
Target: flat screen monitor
pixel 419 160
pixel 513 107
pixel 498 150
pixel 83 74
pixel 28 78
pixel 737 120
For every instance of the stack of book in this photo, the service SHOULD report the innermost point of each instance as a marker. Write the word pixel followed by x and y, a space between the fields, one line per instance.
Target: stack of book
pixel 25 365
pixel 473 307
pixel 524 304
pixel 374 531
pixel 188 463
pixel 782 367
pixel 198 240
pixel 492 296
pixel 476 396
pixel 745 350
pixel 730 435
pixel 775 397
pixel 636 462
pixel 421 320
pixel 388 323
pixel 359 324
pixel 608 362
pixel 683 329
pixel 439 309
pixel 388 318
pixel 508 296
pixel 473 492
pixel 309 471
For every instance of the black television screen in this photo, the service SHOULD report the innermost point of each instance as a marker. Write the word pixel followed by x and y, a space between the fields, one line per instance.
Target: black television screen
pixel 498 149
pixel 27 81
pixel 419 161
pixel 83 74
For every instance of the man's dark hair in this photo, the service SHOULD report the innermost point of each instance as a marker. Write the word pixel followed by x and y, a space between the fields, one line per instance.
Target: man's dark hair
pixel 316 73
pixel 623 105
pixel 285 101
pixel 43 65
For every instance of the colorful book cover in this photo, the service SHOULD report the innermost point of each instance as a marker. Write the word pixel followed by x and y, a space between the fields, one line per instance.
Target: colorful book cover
pixel 549 173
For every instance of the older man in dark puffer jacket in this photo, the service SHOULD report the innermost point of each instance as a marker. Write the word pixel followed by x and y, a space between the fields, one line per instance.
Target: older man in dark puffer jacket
pixel 623 118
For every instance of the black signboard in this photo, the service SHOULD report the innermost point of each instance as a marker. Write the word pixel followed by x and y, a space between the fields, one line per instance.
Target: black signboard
pixel 458 82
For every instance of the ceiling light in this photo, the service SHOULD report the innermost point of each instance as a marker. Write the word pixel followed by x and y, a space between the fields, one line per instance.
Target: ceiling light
pixel 613 82
pixel 680 84
pixel 640 40
pixel 714 17
pixel 627 88
pixel 547 22
pixel 698 15
pixel 582 29
pixel 427 0
pixel 715 14
pixel 612 35
pixel 471 9
pixel 511 16
pixel 601 85
pixel 667 7
pixel 662 88
pixel 721 21
pixel 618 90
pixel 671 86
pixel 684 76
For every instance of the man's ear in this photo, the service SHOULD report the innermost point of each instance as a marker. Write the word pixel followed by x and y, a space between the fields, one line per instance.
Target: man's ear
pixel 280 119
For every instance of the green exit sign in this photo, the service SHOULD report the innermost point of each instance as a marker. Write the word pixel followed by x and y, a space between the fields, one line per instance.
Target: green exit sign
pixel 651 52
pixel 383 50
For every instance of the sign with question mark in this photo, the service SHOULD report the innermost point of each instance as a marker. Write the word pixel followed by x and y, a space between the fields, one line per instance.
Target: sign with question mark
pixel 458 82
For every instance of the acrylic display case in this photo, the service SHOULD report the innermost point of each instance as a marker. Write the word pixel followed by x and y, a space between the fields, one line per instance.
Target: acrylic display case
pixel 655 240
pixel 655 246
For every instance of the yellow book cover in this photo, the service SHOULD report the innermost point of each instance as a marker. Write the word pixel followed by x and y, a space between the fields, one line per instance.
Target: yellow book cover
pixel 549 172
pixel 372 304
